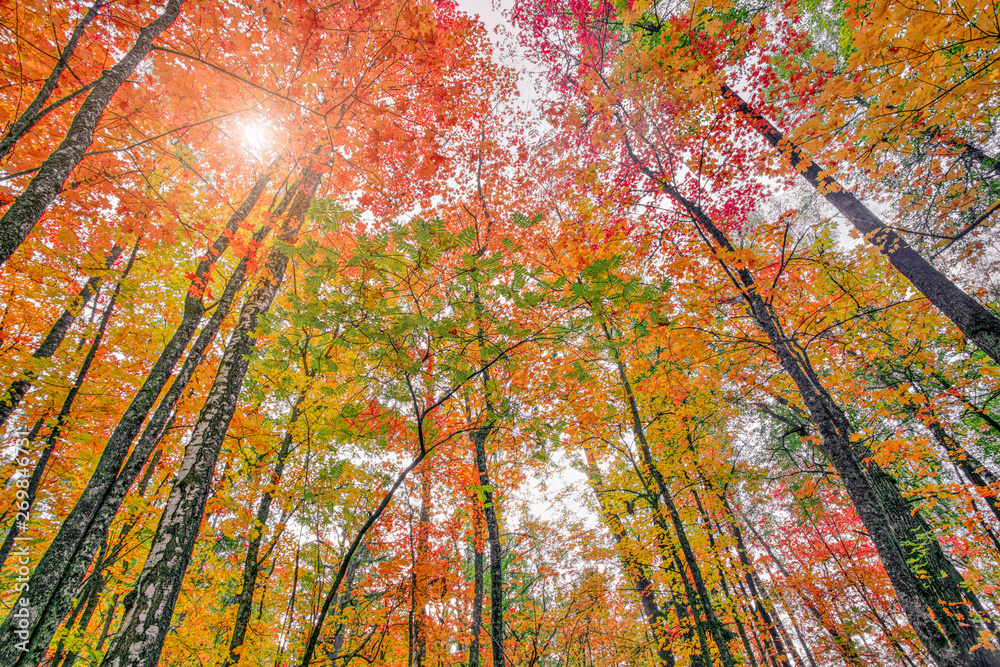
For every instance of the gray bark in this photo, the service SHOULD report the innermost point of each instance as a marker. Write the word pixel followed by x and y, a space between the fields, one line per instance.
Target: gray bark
pixel 15 393
pixel 493 538
pixel 980 325
pixel 897 534
pixel 19 219
pixel 56 430
pixel 35 110
pixel 340 635
pixel 92 600
pixel 140 637
pixel 479 437
pixel 476 626
pixel 56 577
pixel 418 612
pixel 634 570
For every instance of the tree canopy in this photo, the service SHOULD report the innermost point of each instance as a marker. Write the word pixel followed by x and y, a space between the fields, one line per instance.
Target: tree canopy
pixel 320 344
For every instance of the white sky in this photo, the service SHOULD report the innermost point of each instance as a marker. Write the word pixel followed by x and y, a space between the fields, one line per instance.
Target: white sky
pixel 488 11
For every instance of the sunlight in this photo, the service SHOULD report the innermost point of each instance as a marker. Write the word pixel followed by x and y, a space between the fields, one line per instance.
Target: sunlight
pixel 255 138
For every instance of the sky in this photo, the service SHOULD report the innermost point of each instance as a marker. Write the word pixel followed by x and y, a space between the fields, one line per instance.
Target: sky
pixel 488 10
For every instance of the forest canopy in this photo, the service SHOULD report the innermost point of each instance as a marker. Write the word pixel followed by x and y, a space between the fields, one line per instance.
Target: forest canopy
pixel 323 342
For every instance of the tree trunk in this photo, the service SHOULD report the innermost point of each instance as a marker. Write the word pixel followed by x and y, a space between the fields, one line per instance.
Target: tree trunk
pixel 106 630
pixel 980 325
pixel 898 535
pixel 718 631
pixel 46 185
pixel 476 627
pixel 493 537
pixel 635 571
pixel 251 565
pixel 64 564
pixel 56 431
pixel 345 600
pixel 94 598
pixel 35 112
pixel 781 656
pixel 763 608
pixel 15 393
pixel 86 598
pixel 479 437
pixel 140 637
pixel 686 603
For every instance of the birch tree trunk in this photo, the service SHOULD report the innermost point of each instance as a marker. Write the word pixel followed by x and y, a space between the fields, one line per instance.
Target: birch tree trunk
pixel 140 637
pixel 55 579
pixel 35 110
pixel 19 387
pixel 980 325
pixel 18 221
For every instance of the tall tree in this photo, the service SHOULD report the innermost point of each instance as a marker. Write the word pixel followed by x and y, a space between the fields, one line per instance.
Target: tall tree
pixel 20 218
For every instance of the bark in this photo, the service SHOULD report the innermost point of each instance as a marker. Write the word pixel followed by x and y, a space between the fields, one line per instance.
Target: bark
pixel 22 460
pixel 721 567
pixel 476 627
pixel 980 325
pixel 974 153
pixel 763 608
pixel 635 571
pixel 718 631
pixel 845 646
pixel 345 601
pixel 140 637
pixel 780 656
pixel 86 598
pixel 479 437
pixel 690 622
pixel 56 431
pixel 900 537
pixel 35 110
pixel 15 393
pixel 105 514
pixel 704 659
pixel 27 209
pixel 798 633
pixel 95 596
pixel 766 655
pixel 64 564
pixel 251 564
pixel 493 537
